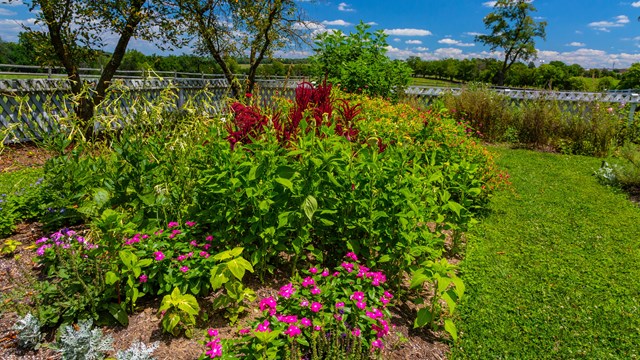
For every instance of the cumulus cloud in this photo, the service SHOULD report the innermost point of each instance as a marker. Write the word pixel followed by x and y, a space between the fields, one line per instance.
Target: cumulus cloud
pixel 372 23
pixel 345 7
pixel 635 4
pixel 413 42
pixel 449 41
pixel 473 33
pixel 576 44
pixel 6 12
pixel 9 29
pixel 407 32
pixel 619 21
pixel 336 23
pixel 489 3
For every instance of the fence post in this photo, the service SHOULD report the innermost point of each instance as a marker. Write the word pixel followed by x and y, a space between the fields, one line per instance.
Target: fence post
pixel 49 72
pixel 634 104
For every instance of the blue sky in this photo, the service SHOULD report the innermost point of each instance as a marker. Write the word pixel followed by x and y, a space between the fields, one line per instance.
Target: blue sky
pixel 592 33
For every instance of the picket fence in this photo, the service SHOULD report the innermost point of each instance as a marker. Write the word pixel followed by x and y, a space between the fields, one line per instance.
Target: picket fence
pixel 30 108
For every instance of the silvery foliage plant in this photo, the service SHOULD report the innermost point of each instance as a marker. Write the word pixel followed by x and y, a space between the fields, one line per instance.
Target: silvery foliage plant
pixel 138 351
pixel 83 343
pixel 28 332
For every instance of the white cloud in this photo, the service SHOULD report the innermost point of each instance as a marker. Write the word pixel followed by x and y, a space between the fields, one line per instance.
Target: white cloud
pixel 345 7
pixel 372 23
pixel 605 26
pixel 6 12
pixel 422 48
pixel 635 4
pixel 489 3
pixel 336 23
pixel 473 33
pixel 9 29
pixel 397 39
pixel 413 42
pixel 576 44
pixel 445 53
pixel 407 32
pixel 449 41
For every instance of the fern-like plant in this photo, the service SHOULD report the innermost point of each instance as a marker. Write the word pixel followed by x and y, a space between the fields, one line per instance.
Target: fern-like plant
pixel 28 332
pixel 82 343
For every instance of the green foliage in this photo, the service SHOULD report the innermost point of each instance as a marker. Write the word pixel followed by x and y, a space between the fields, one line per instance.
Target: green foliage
pixel 631 78
pixel 178 312
pixel 555 286
pixel 447 288
pixel 28 332
pixel 358 63
pixel 229 274
pixel 9 246
pixel 83 343
pixel 21 200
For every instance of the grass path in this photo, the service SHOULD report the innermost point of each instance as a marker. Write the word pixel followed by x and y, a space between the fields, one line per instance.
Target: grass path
pixel 554 270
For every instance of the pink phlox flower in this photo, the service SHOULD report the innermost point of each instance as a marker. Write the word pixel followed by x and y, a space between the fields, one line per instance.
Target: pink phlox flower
pixel 357 296
pixel 158 255
pixel 269 302
pixel 304 303
pixel 336 274
pixel 388 295
pixel 174 233
pixel 204 254
pixel 209 238
pixel 145 236
pixel 377 278
pixel 42 240
pixel 338 317
pixel 377 344
pixel 325 273
pixel 143 278
pixel 316 306
pixel 317 328
pixel 287 290
pixel 181 257
pixel 375 314
pixel 184 269
pixel 355 332
pixel 313 270
pixel 263 327
pixel 173 224
pixel 190 223
pixel 305 322
pixel 212 332
pixel 193 243
pixel 308 281
pixel 244 331
pixel 158 232
pixel 381 331
pixel 384 300
pixel 361 305
pixel 352 256
pixel 214 351
pixel 190 254
pixel 362 271
pixel 347 266
pixel 206 246
pixel 288 319
pixel 339 305
pixel 316 290
pixel 292 331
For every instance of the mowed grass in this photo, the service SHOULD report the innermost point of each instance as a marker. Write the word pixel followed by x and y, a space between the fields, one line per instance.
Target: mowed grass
pixel 553 272
pixel 415 81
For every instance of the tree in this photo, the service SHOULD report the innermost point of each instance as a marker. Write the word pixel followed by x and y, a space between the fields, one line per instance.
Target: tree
pixel 513 31
pixel 358 62
pixel 631 78
pixel 71 32
pixel 256 28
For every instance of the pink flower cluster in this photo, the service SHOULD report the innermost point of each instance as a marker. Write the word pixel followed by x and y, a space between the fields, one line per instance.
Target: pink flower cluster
pixel 215 345
pixel 65 239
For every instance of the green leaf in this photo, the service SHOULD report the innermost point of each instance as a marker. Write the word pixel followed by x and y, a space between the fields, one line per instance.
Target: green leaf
pixel 423 318
pixel 286 183
pixel 459 286
pixel 310 205
pixel 285 172
pixel 451 303
pixel 450 327
pixel 237 267
pixel 418 278
pixel 101 196
pixel 455 207
pixel 128 258
pixel 118 313
pixel 218 278
pixel 111 278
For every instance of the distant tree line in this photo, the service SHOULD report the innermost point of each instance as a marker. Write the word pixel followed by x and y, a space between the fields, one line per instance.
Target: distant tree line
pixel 554 75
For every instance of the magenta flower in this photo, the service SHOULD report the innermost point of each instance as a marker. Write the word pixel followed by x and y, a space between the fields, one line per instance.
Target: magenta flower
pixel 316 306
pixel 193 243
pixel 388 295
pixel 263 327
pixel 172 224
pixel 143 278
pixel 355 332
pixel 158 255
pixel 357 296
pixel 384 300
pixel 305 322
pixel 361 305
pixel 269 302
pixel 215 350
pixel 206 246
pixel 209 238
pixel 181 257
pixel 292 331
pixel 315 291
pixel 339 305
pixel 313 270
pixel 317 328
pixel 184 269
pixel 204 254
pixel 352 256
pixel 212 332
pixel 325 273
pixel 174 233
pixel 244 331
pixel 347 266
pixel 304 303
pixel 288 319
pixel 377 344
pixel 308 281
pixel 190 223
pixel 287 290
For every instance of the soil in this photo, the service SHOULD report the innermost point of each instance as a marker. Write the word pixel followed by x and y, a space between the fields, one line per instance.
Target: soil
pixel 18 270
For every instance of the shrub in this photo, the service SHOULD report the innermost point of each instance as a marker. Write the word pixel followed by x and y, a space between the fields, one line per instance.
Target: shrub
pixel 28 332
pixel 83 343
pixel 138 351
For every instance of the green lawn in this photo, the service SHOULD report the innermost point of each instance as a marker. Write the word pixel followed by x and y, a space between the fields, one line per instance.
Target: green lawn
pixel 553 271
pixel 432 82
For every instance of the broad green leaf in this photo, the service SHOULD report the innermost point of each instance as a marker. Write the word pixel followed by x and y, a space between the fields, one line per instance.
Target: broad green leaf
pixel 101 196
pixel 455 207
pixel 459 286
pixel 286 183
pixel 285 172
pixel 218 278
pixel 111 278
pixel 222 256
pixel 450 327
pixel 118 313
pixel 237 268
pixel 310 205
pixel 128 258
pixel 423 318
pixel 417 279
pixel 236 251
pixel 451 303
